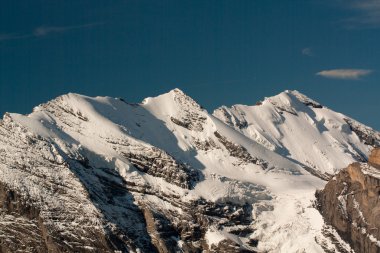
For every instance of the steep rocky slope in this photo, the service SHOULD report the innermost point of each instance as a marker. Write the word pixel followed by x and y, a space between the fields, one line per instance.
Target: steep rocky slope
pixel 351 203
pixel 82 174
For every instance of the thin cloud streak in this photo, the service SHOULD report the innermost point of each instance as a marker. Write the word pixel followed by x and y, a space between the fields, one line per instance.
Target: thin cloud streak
pixel 366 14
pixel 42 31
pixel 345 74
pixel 45 30
pixel 4 37
pixel 12 36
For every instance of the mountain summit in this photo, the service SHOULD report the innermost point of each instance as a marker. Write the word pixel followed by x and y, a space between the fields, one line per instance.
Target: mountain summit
pixel 83 174
pixel 303 130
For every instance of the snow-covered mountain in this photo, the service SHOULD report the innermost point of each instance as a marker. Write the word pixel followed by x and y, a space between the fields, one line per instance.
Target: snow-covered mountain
pixel 303 130
pixel 82 174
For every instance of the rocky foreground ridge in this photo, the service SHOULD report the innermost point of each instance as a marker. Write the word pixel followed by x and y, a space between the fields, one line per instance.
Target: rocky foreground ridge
pixel 83 174
pixel 350 202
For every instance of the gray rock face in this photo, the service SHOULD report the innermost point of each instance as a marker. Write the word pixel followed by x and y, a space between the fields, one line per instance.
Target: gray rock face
pixel 45 196
pixel 350 202
pixel 366 134
pixel 232 120
pixel 159 164
pixel 191 119
pixel 239 152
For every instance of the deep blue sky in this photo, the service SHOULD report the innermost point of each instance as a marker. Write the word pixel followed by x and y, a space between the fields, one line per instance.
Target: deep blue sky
pixel 218 52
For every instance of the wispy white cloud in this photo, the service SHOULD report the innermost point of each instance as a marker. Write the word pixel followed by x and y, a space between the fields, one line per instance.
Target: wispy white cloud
pixel 307 51
pixel 12 36
pixel 366 13
pixel 44 30
pixel 5 37
pixel 347 74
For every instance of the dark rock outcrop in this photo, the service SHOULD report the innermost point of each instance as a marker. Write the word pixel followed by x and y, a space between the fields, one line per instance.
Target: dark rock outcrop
pixel 192 118
pixel 239 152
pixel 366 134
pixel 236 121
pixel 159 164
pixel 350 202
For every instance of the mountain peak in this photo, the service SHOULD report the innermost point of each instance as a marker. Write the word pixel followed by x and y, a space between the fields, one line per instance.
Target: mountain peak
pixel 148 169
pixel 305 99
pixel 177 91
pixel 173 100
pixel 294 96
pixel 279 123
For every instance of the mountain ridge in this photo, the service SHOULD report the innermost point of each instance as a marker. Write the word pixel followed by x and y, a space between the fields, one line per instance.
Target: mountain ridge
pixel 280 127
pixel 161 175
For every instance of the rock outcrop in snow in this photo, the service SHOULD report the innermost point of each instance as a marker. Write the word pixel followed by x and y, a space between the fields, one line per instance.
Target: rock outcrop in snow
pixel 350 202
pixel 82 174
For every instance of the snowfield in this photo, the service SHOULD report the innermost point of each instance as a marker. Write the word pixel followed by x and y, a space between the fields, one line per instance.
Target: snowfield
pixel 267 159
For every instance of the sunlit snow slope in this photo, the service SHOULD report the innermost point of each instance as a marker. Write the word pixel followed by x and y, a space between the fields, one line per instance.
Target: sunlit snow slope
pixel 301 129
pixel 165 176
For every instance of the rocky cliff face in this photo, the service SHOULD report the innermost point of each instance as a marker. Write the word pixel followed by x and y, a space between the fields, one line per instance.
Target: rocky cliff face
pixel 374 158
pixel 350 202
